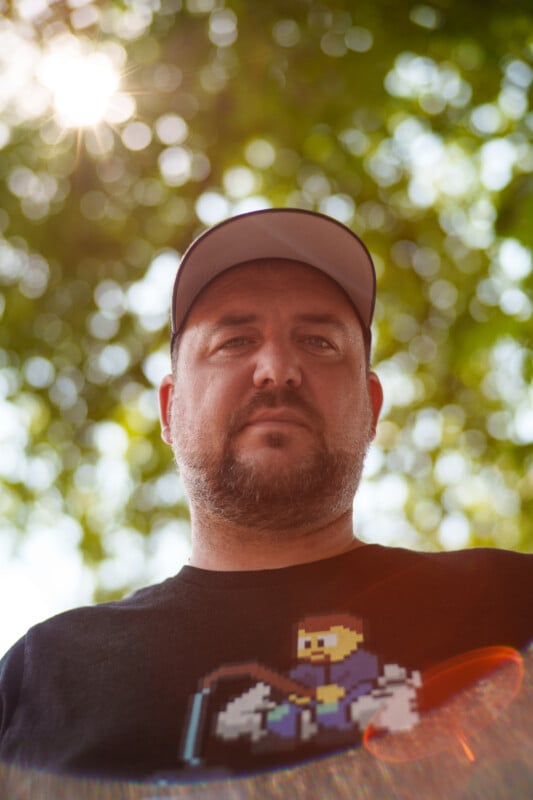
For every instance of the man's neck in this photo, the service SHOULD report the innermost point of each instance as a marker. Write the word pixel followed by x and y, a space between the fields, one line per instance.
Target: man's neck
pixel 224 547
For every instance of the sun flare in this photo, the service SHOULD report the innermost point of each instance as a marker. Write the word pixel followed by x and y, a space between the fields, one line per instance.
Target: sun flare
pixel 82 84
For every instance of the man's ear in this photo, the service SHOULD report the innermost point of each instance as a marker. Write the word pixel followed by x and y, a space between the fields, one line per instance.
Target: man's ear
pixel 166 393
pixel 375 391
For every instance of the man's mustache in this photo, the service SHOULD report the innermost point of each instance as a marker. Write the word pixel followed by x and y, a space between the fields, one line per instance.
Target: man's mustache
pixel 273 398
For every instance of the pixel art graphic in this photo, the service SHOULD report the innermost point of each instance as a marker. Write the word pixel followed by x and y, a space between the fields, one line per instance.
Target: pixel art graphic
pixel 335 688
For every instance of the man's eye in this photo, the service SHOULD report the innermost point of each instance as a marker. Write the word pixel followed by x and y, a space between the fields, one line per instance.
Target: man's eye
pixel 318 342
pixel 235 342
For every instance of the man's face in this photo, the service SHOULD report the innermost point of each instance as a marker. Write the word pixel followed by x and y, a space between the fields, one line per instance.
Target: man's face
pixel 271 408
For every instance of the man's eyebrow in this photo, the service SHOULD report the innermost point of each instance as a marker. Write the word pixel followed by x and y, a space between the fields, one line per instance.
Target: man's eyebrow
pixel 231 320
pixel 321 319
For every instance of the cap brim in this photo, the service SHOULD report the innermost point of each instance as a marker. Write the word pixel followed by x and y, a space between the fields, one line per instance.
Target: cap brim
pixel 288 233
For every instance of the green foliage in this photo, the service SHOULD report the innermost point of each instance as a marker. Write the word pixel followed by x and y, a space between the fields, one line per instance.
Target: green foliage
pixel 409 122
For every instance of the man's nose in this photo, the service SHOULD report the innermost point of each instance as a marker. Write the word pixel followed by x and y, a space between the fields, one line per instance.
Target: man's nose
pixel 277 365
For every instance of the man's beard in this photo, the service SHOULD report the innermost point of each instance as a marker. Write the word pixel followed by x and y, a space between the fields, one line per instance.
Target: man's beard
pixel 321 485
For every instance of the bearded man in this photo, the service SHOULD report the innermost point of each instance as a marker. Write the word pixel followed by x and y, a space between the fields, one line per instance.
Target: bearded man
pixel 269 410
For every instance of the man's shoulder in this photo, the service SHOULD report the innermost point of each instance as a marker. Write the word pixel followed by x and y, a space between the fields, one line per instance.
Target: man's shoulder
pixel 484 558
pixel 475 569
pixel 490 560
pixel 94 624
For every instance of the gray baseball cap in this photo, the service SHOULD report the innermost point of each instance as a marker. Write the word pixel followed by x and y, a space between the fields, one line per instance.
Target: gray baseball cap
pixel 288 233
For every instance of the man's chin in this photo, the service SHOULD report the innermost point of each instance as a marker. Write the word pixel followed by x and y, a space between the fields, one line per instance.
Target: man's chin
pixel 269 461
pixel 262 440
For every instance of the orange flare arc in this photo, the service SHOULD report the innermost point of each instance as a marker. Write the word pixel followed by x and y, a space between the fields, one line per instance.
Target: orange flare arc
pixel 457 699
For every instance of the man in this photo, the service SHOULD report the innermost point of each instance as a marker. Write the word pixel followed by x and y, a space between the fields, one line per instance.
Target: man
pixel 285 637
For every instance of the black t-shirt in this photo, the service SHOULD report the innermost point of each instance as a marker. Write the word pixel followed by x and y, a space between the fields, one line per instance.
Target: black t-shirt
pixel 242 671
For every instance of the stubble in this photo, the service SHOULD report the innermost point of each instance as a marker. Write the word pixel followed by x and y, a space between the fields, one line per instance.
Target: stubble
pixel 248 494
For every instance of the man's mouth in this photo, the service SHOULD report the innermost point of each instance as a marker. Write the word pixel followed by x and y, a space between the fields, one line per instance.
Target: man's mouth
pixel 270 417
pixel 282 409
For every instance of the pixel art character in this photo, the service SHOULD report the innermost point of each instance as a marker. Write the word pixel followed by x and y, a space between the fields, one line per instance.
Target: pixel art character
pixel 331 661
